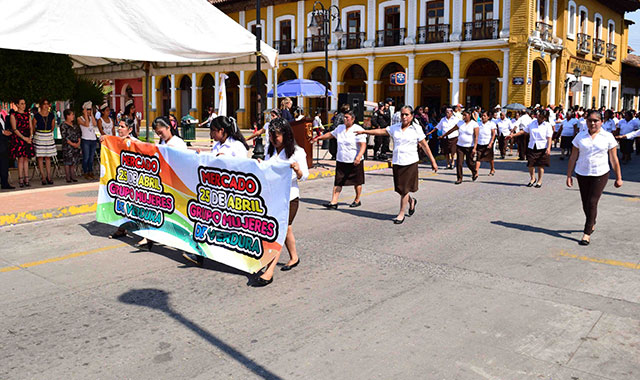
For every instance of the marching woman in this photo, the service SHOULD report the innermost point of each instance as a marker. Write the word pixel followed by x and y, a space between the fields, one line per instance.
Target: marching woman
pixel 467 144
pixel 626 126
pixel 349 165
pixel 568 130
pixel 43 123
pixel 282 148
pixel 486 139
pixel 540 132
pixel 406 135
pixel 592 151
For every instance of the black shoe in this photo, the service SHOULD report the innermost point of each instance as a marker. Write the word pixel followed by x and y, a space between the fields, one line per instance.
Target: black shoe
pixel 259 282
pixel 44 182
pixel 584 242
pixel 474 178
pixel 458 182
pixel 289 267
pixel 331 206
pixel 538 185
pixel 7 187
pixel 354 204
pixel 561 157
pixel 398 221
pixel 49 181
pixel 412 210
pixel 531 183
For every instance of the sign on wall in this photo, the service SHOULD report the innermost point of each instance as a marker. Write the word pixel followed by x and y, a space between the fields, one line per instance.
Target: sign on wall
pixel 399 79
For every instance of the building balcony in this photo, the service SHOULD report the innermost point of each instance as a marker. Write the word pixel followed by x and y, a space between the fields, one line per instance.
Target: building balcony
pixel 352 41
pixel 481 30
pixel 433 33
pixel 598 48
pixel 314 43
pixel 544 30
pixel 284 46
pixel 390 37
pixel 584 44
pixel 612 52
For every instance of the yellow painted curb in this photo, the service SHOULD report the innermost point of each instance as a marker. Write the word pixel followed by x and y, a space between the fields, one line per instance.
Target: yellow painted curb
pixel 332 172
pixel 32 216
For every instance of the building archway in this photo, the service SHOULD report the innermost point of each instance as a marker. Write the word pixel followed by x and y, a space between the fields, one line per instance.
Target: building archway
pixel 540 83
pixel 354 79
pixel 285 75
pixel 165 96
pixel 388 90
pixel 232 84
pixel 253 95
pixel 434 89
pixel 482 84
pixel 318 104
pixel 185 95
pixel 208 98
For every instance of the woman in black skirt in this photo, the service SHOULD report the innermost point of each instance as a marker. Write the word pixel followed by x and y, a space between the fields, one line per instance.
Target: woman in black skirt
pixel 486 141
pixel 540 132
pixel 592 150
pixel 407 136
pixel 349 165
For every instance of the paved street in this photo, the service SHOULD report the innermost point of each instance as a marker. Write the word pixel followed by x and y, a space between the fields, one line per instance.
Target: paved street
pixel 485 281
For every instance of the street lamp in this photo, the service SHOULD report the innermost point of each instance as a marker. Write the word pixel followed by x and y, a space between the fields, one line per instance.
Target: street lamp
pixel 323 17
pixel 258 149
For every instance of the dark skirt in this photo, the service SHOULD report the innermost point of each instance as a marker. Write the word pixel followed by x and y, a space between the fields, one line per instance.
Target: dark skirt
pixel 537 158
pixel 485 153
pixel 566 142
pixel 348 174
pixel 293 209
pixel 626 146
pixel 405 178
pixel 449 145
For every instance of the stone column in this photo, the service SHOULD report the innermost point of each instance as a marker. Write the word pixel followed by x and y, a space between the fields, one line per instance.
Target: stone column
pixel 241 92
pixel 334 83
pixel 412 11
pixel 173 93
pixel 456 28
pixel 269 88
pixel 371 23
pixel 506 17
pixel 300 76
pixel 455 81
pixel 505 78
pixel 410 98
pixel 269 25
pixel 552 84
pixel 301 22
pixel 216 89
pixel 194 94
pixel 370 80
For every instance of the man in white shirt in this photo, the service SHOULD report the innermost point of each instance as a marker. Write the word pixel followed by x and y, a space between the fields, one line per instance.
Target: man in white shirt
pixel 449 144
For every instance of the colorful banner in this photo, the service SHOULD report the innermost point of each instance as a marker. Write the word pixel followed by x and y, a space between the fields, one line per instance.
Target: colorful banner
pixel 234 211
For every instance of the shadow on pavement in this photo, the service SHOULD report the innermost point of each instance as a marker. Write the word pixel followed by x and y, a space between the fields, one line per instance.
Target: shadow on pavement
pixel 524 227
pixel 344 208
pixel 159 300
pixel 105 230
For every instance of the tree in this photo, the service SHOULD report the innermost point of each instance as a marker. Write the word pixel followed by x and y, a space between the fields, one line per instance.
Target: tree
pixel 31 75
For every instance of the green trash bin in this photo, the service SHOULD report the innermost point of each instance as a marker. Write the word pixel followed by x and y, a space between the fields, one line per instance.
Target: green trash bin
pixel 188 131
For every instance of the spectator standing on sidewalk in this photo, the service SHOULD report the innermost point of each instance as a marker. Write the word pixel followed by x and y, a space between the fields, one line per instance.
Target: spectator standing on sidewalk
pixel 43 123
pixel 71 153
pixel 105 123
pixel 21 144
pixel 89 139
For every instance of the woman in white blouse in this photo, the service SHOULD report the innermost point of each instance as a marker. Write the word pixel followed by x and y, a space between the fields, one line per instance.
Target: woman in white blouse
pixel 593 149
pixel 228 138
pixel 467 145
pixel 625 126
pixel 407 136
pixel 568 130
pixel 486 140
pixel 282 148
pixel 349 165
pixel 540 132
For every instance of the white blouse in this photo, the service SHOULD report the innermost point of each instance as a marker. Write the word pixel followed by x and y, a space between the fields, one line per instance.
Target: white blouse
pixel 539 134
pixel 593 159
pixel 88 133
pixel 504 126
pixel 465 139
pixel 230 148
pixel 568 128
pixel 484 134
pixel 348 142
pixel 299 156
pixel 633 135
pixel 446 124
pixel 175 142
pixel 405 143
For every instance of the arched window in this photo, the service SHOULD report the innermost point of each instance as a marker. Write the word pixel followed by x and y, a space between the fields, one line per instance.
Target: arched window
pixel 571 32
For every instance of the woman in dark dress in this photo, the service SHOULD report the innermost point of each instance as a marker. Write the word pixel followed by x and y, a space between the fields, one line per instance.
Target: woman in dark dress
pixel 21 144
pixel 71 153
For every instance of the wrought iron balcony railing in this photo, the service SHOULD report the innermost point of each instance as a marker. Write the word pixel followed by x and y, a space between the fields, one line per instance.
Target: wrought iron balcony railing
pixel 598 48
pixel 314 43
pixel 390 37
pixel 433 33
pixel 584 43
pixel 481 30
pixel 284 46
pixel 352 40
pixel 612 52
pixel 545 31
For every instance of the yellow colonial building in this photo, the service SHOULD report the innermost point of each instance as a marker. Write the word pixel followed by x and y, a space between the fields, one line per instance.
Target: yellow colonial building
pixel 472 52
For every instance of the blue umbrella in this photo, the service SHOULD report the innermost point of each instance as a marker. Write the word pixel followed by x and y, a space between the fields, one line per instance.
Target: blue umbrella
pixel 300 87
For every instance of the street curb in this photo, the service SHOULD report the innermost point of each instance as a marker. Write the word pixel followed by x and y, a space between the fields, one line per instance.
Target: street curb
pixel 34 216
pixel 37 215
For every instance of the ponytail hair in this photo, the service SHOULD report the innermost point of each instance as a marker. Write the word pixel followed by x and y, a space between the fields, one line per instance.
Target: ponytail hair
pixel 229 126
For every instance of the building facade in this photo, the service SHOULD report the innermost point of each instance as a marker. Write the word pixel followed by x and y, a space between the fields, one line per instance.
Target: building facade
pixel 472 52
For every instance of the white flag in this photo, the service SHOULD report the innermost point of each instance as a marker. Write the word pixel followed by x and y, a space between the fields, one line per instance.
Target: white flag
pixel 222 96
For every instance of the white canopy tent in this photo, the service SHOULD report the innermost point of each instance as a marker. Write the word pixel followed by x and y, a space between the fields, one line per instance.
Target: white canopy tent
pixel 114 38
